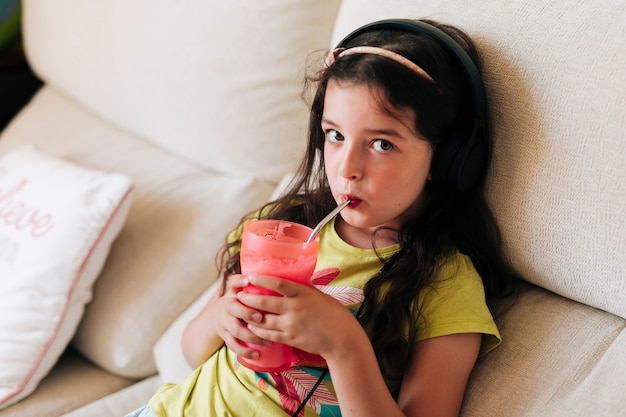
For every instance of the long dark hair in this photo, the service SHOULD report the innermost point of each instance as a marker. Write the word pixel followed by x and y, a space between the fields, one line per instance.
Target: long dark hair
pixel 449 221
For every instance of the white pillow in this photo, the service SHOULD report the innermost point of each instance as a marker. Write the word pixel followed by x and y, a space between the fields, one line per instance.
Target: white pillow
pixel 168 351
pixel 57 223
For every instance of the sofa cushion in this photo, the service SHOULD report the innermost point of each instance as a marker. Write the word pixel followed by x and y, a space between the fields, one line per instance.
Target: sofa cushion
pixel 168 351
pixel 164 257
pixel 222 78
pixel 558 180
pixel 120 403
pixel 57 223
pixel 73 382
pixel 558 358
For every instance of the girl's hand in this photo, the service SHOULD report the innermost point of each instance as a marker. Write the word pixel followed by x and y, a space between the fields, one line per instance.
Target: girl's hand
pixel 232 318
pixel 303 317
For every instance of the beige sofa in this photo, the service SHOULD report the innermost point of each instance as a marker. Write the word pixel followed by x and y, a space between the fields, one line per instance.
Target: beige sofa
pixel 198 102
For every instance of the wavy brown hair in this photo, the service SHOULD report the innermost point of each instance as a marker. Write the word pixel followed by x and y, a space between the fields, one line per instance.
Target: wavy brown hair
pixel 449 221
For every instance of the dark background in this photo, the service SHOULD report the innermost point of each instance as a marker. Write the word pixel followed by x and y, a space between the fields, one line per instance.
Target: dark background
pixel 17 81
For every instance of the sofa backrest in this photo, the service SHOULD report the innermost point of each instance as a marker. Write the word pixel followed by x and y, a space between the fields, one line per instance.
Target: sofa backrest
pixel 215 82
pixel 554 74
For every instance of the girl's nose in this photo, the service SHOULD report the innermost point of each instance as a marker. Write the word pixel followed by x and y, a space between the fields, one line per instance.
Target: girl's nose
pixel 351 163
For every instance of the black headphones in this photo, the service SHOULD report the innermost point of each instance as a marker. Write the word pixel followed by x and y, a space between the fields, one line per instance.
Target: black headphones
pixel 461 161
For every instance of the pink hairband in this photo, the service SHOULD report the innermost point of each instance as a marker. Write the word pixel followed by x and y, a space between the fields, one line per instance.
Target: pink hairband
pixel 374 50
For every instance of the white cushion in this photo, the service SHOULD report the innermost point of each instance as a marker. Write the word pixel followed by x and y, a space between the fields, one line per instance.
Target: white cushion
pixel 217 82
pixel 57 223
pixel 122 402
pixel 558 358
pixel 558 180
pixel 168 352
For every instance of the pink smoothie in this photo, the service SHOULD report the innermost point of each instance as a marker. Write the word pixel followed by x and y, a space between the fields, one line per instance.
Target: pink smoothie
pixel 276 248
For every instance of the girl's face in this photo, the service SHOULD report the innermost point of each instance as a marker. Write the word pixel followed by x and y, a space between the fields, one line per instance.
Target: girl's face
pixel 376 159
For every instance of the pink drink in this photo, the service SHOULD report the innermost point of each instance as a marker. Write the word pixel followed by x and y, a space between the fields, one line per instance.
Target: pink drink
pixel 276 248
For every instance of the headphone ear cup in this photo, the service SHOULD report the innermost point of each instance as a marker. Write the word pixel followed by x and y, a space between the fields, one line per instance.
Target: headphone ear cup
pixel 472 166
pixel 459 163
pixel 443 161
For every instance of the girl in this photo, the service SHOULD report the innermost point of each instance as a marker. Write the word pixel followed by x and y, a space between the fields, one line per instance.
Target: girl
pixel 396 313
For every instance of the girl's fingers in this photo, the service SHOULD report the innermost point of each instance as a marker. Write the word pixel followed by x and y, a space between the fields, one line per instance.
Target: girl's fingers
pixel 237 334
pixel 244 312
pixel 282 286
pixel 236 282
pixel 240 349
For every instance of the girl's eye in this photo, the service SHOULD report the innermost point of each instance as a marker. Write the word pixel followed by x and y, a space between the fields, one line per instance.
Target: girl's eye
pixel 382 145
pixel 334 136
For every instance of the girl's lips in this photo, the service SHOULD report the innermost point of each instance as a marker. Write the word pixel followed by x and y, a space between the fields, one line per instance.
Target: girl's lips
pixel 353 201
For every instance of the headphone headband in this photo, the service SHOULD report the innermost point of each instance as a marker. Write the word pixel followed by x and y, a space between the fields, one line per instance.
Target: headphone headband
pixel 462 164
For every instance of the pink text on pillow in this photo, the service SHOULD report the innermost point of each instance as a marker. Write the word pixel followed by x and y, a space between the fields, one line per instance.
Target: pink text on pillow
pixel 19 214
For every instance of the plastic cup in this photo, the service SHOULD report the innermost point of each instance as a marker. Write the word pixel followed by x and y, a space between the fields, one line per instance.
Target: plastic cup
pixel 276 248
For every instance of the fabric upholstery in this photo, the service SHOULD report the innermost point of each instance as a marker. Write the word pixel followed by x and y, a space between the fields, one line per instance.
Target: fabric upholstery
pixel 559 358
pixel 168 351
pixel 72 383
pixel 122 402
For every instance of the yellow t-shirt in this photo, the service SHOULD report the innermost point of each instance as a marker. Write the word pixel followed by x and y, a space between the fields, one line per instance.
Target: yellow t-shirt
pixel 455 303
